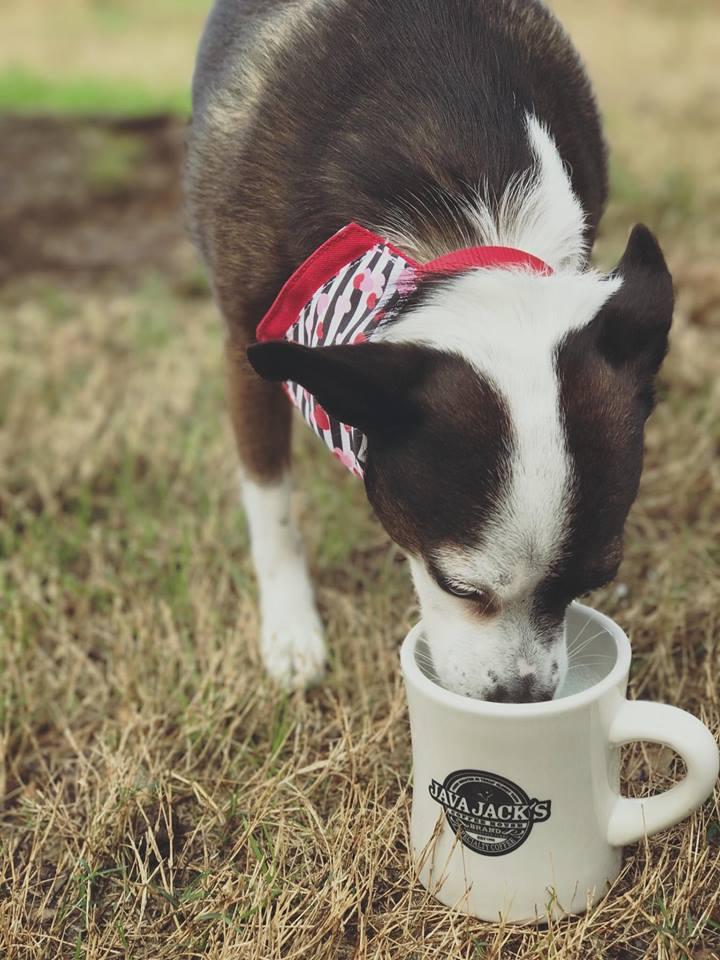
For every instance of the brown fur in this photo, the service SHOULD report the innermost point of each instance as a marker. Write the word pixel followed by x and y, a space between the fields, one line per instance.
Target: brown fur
pixel 288 144
pixel 263 442
pixel 405 117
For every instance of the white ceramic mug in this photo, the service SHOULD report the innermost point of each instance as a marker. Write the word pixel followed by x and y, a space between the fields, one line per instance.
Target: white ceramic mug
pixel 517 812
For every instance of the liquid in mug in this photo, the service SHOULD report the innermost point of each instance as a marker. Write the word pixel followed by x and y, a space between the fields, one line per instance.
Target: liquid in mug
pixel 582 676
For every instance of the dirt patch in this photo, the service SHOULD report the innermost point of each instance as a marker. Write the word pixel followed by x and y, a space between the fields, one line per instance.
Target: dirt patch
pixel 89 196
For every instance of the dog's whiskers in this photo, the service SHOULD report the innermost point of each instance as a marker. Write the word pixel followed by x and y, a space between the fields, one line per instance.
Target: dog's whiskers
pixel 578 647
pixel 588 660
pixel 578 638
pixel 425 662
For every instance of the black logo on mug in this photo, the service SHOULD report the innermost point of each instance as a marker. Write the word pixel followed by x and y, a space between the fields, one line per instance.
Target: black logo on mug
pixel 491 814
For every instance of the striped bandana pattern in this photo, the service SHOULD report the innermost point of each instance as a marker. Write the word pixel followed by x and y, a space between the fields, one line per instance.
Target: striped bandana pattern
pixel 346 309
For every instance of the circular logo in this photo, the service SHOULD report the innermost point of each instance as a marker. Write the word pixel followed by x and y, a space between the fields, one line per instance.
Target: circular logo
pixel 491 814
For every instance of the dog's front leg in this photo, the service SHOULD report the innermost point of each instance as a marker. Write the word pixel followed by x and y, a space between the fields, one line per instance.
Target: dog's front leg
pixel 292 642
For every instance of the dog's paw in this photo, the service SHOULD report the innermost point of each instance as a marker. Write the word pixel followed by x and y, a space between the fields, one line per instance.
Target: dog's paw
pixel 293 645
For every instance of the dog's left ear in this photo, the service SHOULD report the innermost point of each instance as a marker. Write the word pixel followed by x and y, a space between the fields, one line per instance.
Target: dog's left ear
pixel 366 385
pixel 635 321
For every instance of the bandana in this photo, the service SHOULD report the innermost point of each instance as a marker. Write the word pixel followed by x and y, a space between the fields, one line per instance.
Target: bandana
pixel 340 295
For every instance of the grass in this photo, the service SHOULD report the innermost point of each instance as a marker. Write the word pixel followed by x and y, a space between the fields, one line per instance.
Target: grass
pixel 25 91
pixel 161 799
pixel 98 56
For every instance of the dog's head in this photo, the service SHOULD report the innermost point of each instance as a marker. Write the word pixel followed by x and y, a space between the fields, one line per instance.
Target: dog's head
pixel 504 413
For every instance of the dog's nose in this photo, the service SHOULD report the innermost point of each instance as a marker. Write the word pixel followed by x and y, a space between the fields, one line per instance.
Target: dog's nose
pixel 523 690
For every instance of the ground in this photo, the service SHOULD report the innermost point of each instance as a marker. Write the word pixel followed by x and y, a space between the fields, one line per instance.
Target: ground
pixel 161 799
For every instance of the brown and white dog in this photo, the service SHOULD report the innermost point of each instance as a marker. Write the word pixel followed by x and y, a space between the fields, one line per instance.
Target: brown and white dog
pixel 503 408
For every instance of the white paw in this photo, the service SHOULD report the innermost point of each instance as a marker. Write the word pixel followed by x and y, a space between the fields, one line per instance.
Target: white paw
pixel 293 645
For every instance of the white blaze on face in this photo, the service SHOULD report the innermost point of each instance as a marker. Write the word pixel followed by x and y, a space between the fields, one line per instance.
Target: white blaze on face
pixel 508 324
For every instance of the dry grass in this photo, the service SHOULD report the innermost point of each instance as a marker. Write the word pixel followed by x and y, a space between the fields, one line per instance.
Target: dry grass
pixel 160 798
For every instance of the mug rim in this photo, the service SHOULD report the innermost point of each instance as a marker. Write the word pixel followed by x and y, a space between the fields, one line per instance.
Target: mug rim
pixel 415 677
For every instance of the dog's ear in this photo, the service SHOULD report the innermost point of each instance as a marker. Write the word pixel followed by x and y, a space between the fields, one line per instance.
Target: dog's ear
pixel 366 385
pixel 635 321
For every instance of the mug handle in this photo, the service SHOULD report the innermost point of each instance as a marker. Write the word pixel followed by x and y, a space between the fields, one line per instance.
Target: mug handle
pixel 631 820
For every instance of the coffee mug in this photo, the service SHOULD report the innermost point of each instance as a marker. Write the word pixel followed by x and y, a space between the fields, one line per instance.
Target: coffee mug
pixel 517 812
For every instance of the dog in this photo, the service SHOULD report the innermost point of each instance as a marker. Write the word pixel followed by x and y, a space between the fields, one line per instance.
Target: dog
pixel 500 405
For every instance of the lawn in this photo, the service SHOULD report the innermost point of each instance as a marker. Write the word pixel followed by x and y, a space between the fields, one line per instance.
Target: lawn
pixel 161 799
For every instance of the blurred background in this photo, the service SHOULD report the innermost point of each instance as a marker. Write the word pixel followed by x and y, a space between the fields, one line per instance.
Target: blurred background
pixel 128 660
pixel 105 85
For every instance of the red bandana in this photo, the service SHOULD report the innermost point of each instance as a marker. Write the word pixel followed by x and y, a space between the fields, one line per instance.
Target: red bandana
pixel 341 293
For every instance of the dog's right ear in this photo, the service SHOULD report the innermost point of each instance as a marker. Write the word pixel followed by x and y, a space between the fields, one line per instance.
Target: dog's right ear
pixel 636 320
pixel 366 385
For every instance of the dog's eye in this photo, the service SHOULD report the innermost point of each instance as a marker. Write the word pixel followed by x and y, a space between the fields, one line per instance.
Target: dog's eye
pixel 461 590
pixel 486 601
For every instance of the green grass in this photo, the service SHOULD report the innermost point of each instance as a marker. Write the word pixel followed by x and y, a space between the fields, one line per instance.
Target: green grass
pixel 24 91
pixel 673 199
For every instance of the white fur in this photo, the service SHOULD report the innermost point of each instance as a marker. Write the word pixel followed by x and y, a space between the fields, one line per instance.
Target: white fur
pixel 471 656
pixel 538 212
pixel 292 643
pixel 508 325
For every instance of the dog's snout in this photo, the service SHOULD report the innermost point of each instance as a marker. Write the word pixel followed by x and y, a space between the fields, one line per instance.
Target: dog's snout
pixel 522 690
